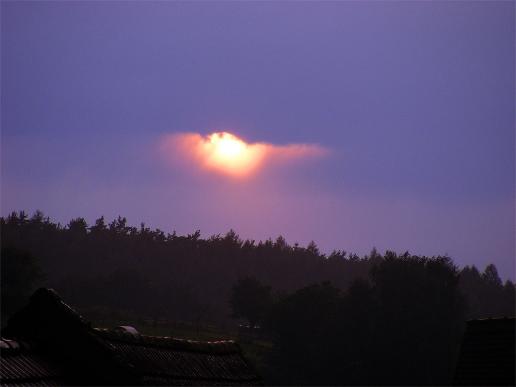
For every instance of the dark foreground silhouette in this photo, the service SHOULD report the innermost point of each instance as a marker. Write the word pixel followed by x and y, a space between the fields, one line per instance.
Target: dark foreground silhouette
pixel 308 318
pixel 48 343
pixel 487 354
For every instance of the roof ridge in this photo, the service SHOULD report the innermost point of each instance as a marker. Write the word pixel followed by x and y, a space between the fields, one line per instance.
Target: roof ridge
pixel 51 294
pixel 499 318
pixel 219 346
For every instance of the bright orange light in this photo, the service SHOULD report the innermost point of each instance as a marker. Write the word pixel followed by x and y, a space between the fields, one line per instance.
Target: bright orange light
pixel 229 154
pixel 226 147
pixel 223 152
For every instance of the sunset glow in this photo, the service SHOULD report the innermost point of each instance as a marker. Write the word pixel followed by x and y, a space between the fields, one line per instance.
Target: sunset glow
pixel 226 146
pixel 225 153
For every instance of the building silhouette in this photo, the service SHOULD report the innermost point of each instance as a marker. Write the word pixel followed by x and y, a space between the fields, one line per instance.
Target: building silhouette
pixel 49 343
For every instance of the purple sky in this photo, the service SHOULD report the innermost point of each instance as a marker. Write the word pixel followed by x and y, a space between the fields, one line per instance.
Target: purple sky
pixel 414 100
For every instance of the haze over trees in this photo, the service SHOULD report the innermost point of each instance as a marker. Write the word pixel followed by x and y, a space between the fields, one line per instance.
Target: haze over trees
pixel 331 319
pixel 402 326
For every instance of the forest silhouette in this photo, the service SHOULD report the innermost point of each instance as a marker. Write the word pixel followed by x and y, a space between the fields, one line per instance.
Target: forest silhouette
pixel 333 319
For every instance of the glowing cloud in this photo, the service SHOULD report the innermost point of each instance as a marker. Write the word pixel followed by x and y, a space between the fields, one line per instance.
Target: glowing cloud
pixel 226 153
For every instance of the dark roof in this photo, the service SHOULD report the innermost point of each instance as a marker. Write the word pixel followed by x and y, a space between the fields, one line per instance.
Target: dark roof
pixel 166 360
pixel 487 355
pixel 121 356
pixel 22 365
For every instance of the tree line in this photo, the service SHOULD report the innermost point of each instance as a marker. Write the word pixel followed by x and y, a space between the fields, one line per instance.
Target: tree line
pixel 167 275
pixel 333 319
pixel 402 325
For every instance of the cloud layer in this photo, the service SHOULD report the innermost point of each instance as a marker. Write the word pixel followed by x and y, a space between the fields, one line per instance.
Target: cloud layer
pixel 225 153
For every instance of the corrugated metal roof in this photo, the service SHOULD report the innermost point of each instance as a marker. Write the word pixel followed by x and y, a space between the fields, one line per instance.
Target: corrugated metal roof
pixel 21 365
pixel 99 356
pixel 168 359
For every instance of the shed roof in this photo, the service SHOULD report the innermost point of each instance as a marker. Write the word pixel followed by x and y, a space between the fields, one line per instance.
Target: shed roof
pixel 61 340
pixel 23 365
pixel 167 360
pixel 487 354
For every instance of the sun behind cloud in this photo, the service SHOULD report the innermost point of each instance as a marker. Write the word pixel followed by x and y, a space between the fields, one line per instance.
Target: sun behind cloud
pixel 225 153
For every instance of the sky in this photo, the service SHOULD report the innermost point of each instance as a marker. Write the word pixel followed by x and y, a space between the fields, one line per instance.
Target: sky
pixel 378 124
